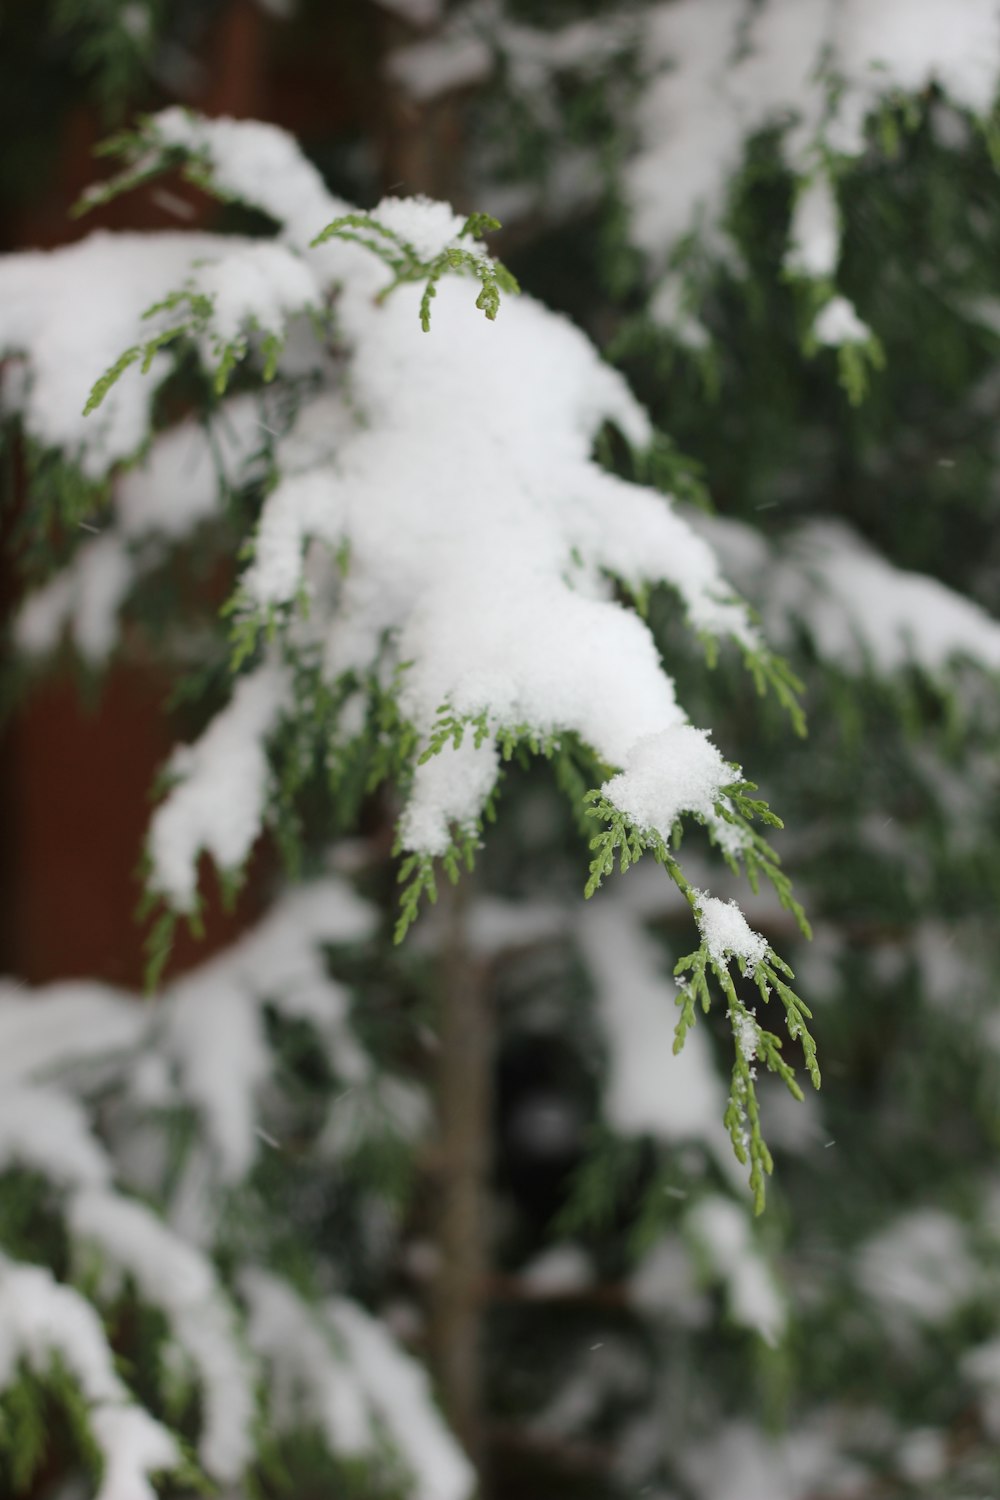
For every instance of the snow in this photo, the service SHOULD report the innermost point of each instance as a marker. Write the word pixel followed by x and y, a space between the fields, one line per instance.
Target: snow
pixel 206 1030
pixel 309 1382
pixel 721 1229
pixel 173 1276
pixel 256 163
pixel 907 45
pixel 386 1106
pixel 558 1270
pixel 449 789
pixel 429 226
pixel 722 70
pixel 85 598
pixel 334 1365
pixel 453 472
pixel 211 1019
pixel 923 1456
pixel 133 1445
pixel 814 236
pixel 740 1460
pixel 664 1283
pixel 838 323
pixel 859 607
pixel 675 771
pixel 203 1044
pixel 426 70
pixel 259 284
pixel 177 483
pixel 75 310
pixel 218 802
pixel 400 1394
pixel 416 12
pixel 981 1367
pixel 45 1131
pixel 919 1266
pixel 303 505
pixel 39 1320
pixel 726 932
pixel 212 1028
pixel 862 612
pixel 81 1020
pixel 521 637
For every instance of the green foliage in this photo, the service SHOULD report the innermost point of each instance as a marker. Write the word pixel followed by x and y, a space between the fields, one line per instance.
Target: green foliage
pixel 146 157
pixel 407 265
pixel 768 670
pixel 607 1177
pixel 195 311
pixel 417 874
pixel 857 358
pixel 113 45
pixel 752 1041
pixel 620 840
pixel 31 1410
pixel 303 1465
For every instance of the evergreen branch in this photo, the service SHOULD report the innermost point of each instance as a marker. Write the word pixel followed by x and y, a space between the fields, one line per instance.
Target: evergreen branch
pixel 417 876
pixel 348 227
pixel 771 671
pixel 754 857
pixel 146 156
pixel 856 360
pixel 620 841
pixel 145 352
pixel 195 312
pixel 407 265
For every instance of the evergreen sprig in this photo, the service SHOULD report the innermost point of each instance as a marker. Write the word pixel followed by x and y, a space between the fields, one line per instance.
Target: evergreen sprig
pixel 408 265
pixel 752 1042
pixel 195 311
pixel 621 841
pixel 146 156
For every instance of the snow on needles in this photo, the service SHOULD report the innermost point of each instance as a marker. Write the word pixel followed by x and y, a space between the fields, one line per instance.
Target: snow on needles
pixel 726 932
pixel 649 1089
pixel 173 1276
pixel 676 771
pixel 861 611
pixel 223 781
pixel 813 70
pixel 484 569
pixel 330 1364
pixel 336 1366
pixel 453 476
pixel 73 311
pixel 180 482
pixel 40 1320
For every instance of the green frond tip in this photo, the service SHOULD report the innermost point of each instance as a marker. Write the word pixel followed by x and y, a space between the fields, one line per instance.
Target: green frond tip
pixel 193 311
pixel 753 1044
pixel 478 224
pixel 407 265
pixel 748 854
pixel 771 672
pixel 418 878
pixel 103 385
pixel 450 728
pixel 159 946
pixel 856 361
